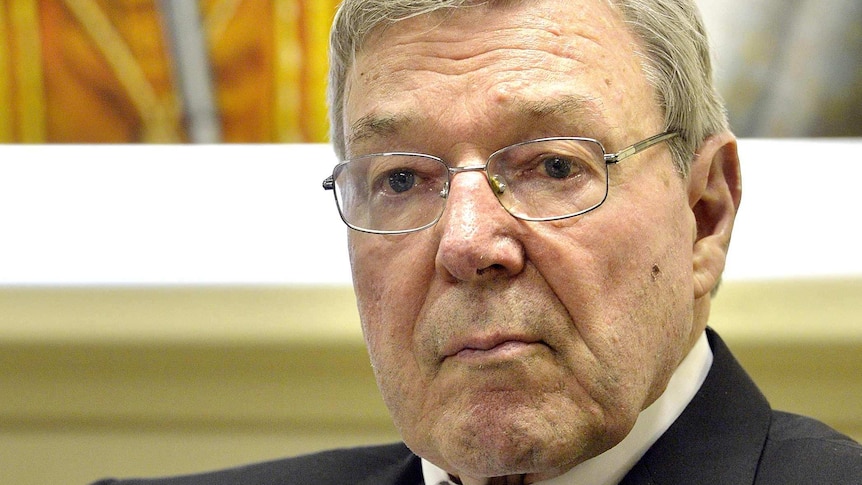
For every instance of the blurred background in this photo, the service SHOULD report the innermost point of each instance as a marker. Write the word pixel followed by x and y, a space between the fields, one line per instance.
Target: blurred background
pixel 151 71
pixel 174 290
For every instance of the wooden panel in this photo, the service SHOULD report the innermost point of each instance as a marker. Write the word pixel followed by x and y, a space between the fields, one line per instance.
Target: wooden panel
pixel 159 380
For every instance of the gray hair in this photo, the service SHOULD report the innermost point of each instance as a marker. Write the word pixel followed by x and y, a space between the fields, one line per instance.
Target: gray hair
pixel 675 51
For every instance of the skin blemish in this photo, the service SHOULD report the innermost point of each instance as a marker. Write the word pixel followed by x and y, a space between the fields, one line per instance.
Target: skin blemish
pixel 656 272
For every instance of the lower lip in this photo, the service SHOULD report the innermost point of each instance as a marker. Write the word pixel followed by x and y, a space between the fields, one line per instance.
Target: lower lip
pixel 506 350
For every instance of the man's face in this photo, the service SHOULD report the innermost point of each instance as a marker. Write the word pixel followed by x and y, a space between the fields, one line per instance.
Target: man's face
pixel 502 346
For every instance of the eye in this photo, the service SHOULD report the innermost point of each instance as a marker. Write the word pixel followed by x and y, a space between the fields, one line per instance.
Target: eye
pixel 402 180
pixel 557 167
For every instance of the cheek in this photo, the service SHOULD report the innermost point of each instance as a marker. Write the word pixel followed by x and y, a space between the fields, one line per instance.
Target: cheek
pixel 390 282
pixel 388 286
pixel 625 278
pixel 655 283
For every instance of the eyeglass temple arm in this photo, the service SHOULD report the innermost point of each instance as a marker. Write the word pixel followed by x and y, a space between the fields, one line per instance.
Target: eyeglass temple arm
pixel 639 147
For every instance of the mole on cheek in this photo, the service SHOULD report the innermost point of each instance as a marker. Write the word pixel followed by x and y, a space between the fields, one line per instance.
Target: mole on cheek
pixel 656 272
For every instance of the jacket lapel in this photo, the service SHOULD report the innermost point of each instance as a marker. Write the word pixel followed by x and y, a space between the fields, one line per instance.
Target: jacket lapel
pixel 719 437
pixel 405 471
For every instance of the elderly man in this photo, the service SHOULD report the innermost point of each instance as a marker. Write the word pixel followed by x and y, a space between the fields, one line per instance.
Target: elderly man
pixel 541 195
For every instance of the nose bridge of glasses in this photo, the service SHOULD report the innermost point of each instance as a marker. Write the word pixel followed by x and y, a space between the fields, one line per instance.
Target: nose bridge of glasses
pixel 496 183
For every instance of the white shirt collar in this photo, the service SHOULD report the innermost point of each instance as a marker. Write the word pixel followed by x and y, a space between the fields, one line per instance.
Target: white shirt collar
pixel 611 466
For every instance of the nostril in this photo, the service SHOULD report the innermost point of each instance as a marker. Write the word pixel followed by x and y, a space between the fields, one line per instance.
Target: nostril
pixel 494 268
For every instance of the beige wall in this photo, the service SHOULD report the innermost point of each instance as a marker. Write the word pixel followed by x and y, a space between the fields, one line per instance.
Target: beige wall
pixel 148 381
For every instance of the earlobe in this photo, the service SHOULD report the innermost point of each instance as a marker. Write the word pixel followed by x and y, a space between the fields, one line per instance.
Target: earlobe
pixel 714 191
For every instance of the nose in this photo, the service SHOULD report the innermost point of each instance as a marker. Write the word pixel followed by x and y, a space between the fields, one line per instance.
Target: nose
pixel 478 238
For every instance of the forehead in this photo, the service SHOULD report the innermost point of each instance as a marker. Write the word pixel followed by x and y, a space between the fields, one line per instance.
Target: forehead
pixel 513 62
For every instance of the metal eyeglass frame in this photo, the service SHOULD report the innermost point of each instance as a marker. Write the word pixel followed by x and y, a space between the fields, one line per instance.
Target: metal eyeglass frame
pixel 609 158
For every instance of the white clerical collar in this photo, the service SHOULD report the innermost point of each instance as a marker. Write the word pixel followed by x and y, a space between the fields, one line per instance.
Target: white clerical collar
pixel 611 466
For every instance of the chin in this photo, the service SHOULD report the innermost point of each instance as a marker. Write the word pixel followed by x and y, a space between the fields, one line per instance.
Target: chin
pixel 507 456
pixel 492 441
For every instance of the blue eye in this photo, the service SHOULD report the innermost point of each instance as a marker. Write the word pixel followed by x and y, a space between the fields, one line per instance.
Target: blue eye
pixel 558 167
pixel 402 180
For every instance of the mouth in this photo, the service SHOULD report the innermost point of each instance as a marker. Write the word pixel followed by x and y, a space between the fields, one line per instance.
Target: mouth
pixel 499 348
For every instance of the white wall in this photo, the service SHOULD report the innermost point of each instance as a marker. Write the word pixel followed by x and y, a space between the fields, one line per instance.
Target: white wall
pixel 256 214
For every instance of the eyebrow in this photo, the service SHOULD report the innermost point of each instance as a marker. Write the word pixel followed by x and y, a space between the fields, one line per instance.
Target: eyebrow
pixel 569 107
pixel 375 126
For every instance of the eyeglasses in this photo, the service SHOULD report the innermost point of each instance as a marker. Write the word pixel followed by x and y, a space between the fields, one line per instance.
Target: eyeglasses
pixel 538 180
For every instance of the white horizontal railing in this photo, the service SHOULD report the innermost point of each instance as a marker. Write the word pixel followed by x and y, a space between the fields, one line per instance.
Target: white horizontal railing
pixel 256 214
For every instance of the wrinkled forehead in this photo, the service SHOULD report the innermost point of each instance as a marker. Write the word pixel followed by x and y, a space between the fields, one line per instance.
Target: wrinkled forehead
pixel 436 14
pixel 490 76
pixel 360 24
pixel 455 22
pixel 520 46
pixel 364 16
pixel 362 19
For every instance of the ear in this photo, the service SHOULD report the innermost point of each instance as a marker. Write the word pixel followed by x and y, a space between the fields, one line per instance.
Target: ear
pixel 714 192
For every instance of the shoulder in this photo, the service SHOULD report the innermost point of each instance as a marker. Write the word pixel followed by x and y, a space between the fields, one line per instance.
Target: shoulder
pixel 342 466
pixel 802 450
